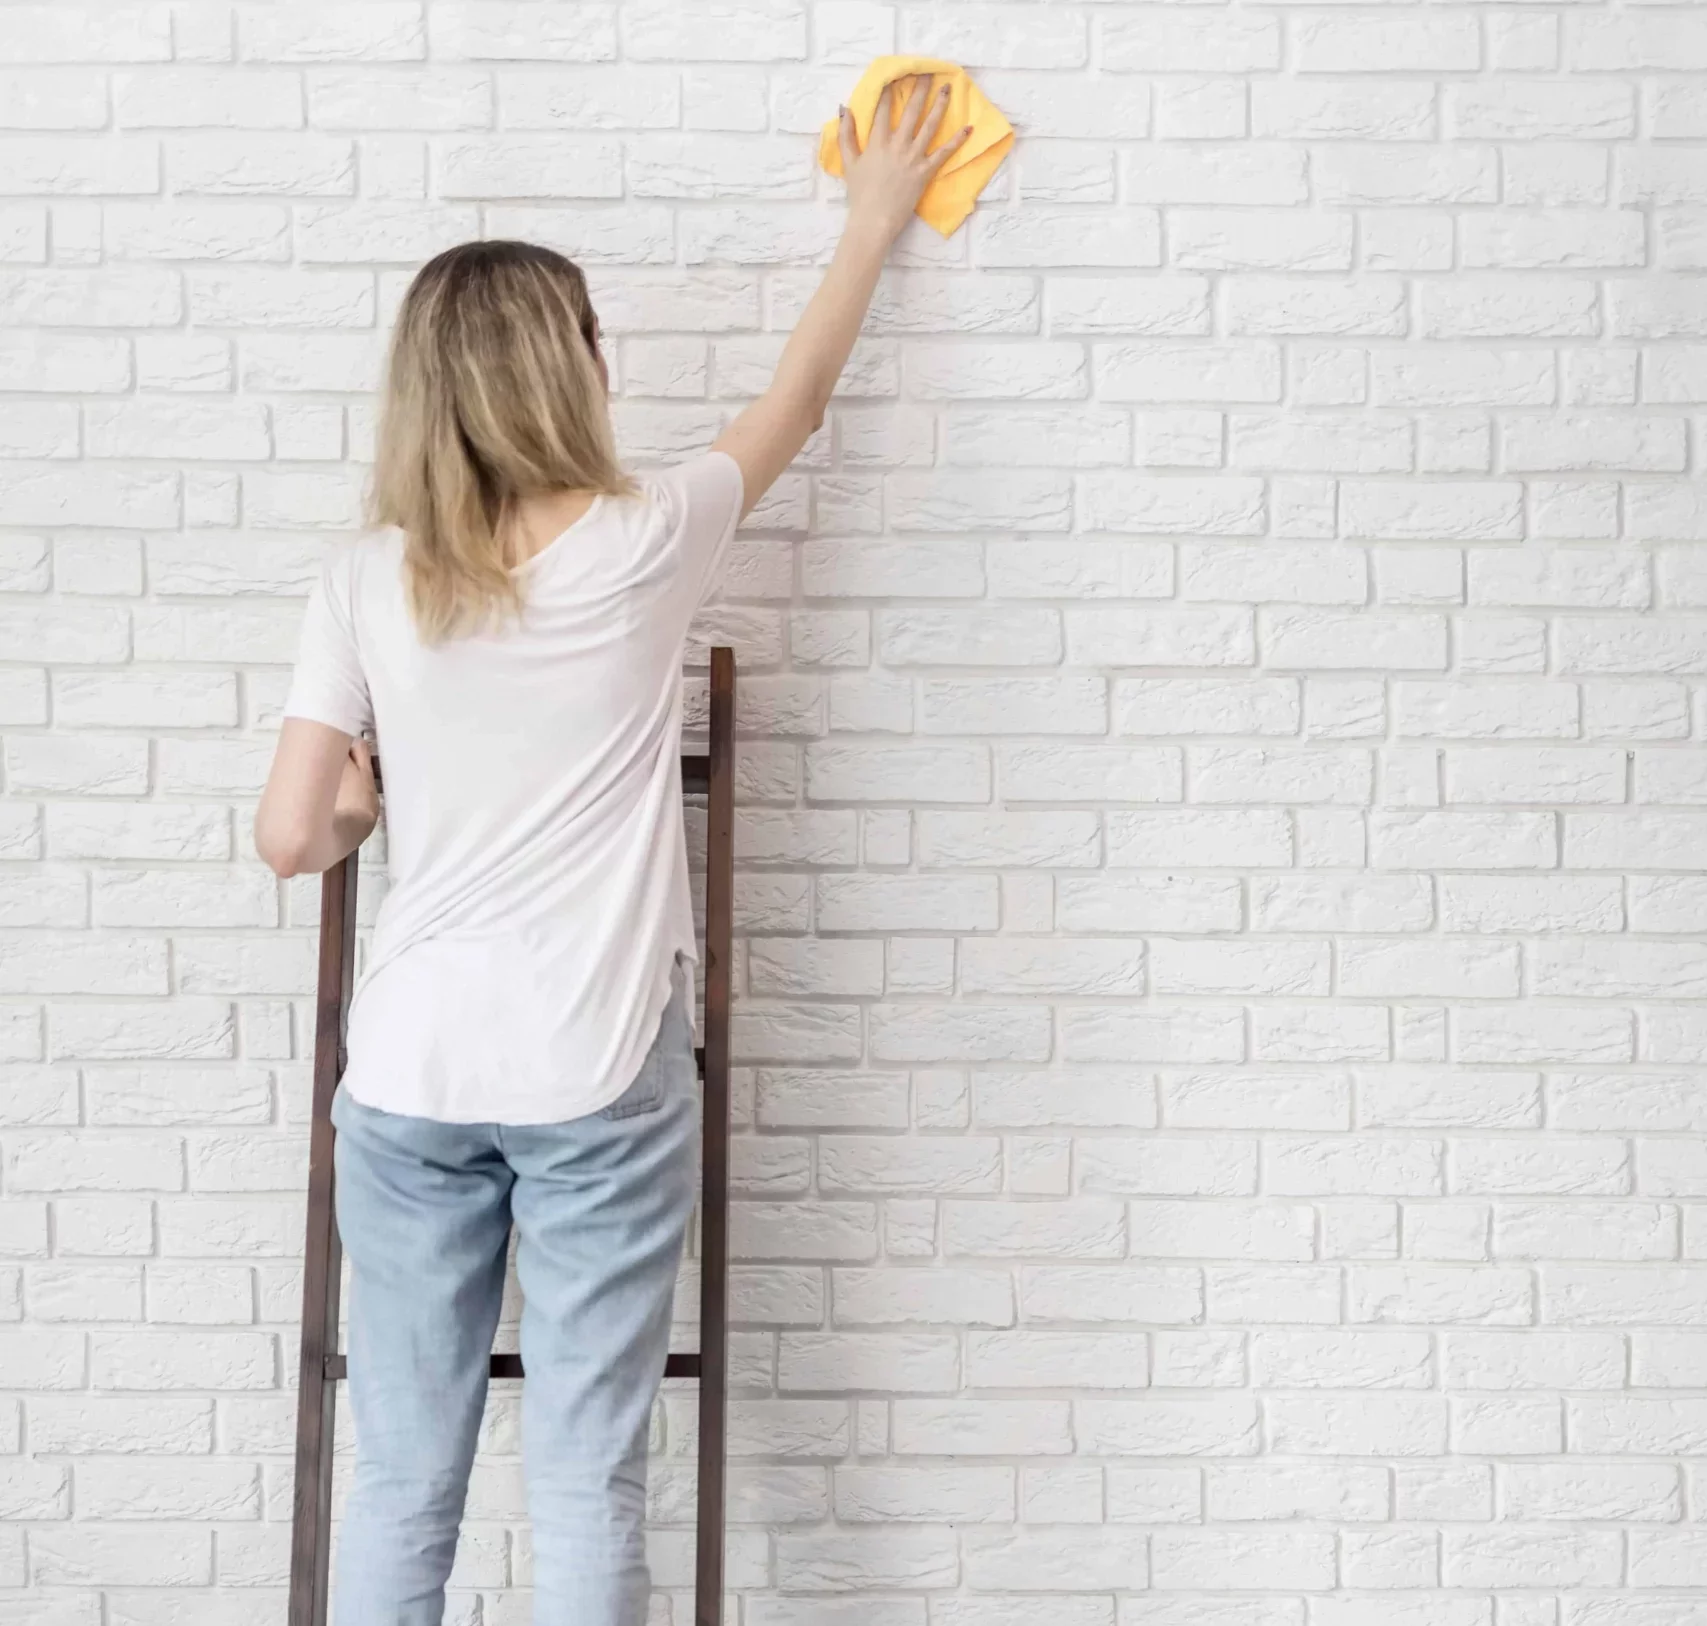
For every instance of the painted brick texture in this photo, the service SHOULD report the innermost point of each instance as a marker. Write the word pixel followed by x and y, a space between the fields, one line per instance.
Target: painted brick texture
pixel 1222 994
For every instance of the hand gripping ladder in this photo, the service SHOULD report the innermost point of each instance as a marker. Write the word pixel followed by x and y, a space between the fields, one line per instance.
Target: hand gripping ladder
pixel 711 776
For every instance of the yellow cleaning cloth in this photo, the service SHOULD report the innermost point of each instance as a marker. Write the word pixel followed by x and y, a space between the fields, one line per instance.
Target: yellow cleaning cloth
pixel 954 188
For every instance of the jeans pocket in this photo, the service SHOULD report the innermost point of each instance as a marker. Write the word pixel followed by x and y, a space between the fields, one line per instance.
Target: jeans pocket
pixel 673 1041
pixel 645 1094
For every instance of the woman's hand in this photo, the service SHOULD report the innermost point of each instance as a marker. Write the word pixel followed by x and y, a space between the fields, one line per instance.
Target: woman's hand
pixel 356 810
pixel 887 179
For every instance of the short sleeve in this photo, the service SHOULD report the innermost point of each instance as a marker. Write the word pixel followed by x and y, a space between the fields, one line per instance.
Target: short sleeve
pixel 329 685
pixel 702 498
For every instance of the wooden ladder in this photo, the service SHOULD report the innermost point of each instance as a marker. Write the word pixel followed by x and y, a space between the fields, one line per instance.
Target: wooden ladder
pixel 322 1365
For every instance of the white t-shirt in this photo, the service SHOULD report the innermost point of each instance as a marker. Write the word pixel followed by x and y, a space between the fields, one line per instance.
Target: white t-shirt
pixel 522 958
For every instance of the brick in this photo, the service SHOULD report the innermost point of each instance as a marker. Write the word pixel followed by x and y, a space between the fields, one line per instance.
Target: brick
pixel 1075 704
pixel 1062 237
pixel 91 635
pixel 207 98
pixel 1436 511
pixel 41 166
pixel 76 962
pixel 1260 239
pixel 1194 706
pixel 965 1033
pixel 179 1490
pixel 600 98
pixel 902 903
pixel 191 231
pixel 1532 1556
pixel 1525 240
pixel 981 840
pixel 1157 39
pixel 1377 174
pixel 1180 173
pixel 1191 637
pixel 1399 1425
pixel 82 364
pixel 1489 308
pixel 383 31
pixel 1159 305
pixel 1223 1558
pixel 897 773
pixel 545 166
pixel 1155 372
pixel 378 231
pixel 1341 109
pixel 525 31
pixel 72 1556
pixel 94 1163
pixel 726 31
pixel 1170 1167
pixel 1027 436
pixel 962 1494
pixel 73 33
pixel 1031 36
pixel 181 1030
pixel 1021 965
pixel 1168 1427
pixel 1057 1559
pixel 431 99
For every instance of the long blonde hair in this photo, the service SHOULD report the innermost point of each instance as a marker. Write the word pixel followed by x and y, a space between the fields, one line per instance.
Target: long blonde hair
pixel 493 393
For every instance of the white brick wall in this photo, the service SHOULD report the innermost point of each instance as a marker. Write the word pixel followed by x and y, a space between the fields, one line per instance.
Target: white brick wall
pixel 1222 991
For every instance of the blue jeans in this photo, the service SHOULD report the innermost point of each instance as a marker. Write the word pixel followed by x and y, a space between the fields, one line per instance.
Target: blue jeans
pixel 600 1204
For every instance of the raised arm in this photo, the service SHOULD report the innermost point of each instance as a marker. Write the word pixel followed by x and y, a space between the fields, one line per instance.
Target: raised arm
pixel 884 183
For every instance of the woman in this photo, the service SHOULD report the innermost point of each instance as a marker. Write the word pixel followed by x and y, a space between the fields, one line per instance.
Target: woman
pixel 521 1047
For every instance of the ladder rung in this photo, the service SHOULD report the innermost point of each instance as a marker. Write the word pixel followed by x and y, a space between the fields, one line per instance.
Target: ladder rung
pixel 682 1363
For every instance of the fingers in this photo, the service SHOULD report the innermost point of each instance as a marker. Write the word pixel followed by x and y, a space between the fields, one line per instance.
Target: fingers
pixel 884 116
pixel 933 119
pixel 949 148
pixel 847 139
pixel 915 109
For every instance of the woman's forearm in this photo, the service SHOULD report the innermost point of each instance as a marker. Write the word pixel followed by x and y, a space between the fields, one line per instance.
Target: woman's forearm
pixel 320 802
pixel 312 851
pixel 823 338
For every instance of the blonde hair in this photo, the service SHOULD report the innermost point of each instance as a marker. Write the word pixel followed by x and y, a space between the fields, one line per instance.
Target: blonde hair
pixel 493 393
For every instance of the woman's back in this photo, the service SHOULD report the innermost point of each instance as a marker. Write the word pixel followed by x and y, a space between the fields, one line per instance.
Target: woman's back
pixel 539 892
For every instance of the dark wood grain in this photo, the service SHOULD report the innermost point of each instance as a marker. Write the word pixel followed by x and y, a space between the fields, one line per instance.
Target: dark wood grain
pixel 714 1202
pixel 316 1402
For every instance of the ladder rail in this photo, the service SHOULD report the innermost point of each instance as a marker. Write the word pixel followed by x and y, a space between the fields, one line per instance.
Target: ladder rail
pixel 714 1200
pixel 317 1395
pixel 322 1365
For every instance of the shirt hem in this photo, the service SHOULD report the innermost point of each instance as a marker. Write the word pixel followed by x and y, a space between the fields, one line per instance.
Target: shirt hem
pixel 518 1116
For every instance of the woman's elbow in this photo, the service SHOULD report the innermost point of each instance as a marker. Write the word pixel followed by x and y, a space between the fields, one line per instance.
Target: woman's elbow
pixel 808 402
pixel 285 851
